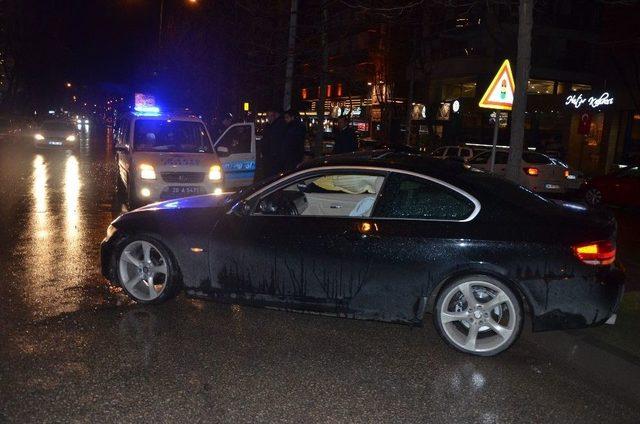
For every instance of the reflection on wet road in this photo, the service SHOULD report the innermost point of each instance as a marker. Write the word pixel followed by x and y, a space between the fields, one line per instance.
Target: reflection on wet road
pixel 72 348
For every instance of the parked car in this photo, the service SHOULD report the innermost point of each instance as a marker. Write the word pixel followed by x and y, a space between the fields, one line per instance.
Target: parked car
pixel 459 152
pixel 542 174
pixel 621 187
pixel 383 236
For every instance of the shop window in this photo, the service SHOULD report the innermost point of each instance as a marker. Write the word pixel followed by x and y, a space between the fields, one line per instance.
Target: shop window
pixel 454 91
pixel 580 87
pixel 536 86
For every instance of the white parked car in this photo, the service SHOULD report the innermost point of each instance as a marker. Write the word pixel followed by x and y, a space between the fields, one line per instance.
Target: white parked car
pixel 462 152
pixel 164 156
pixel 542 173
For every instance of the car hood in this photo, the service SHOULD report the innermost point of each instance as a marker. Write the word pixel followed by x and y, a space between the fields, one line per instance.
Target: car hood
pixel 194 202
pixel 57 133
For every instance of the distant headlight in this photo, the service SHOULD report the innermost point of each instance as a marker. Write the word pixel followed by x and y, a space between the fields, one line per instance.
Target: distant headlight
pixel 86 121
pixel 147 172
pixel 215 173
pixel 71 138
pixel 39 137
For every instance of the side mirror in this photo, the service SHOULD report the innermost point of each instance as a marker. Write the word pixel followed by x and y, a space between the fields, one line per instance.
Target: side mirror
pixel 242 208
pixel 222 151
pixel 122 148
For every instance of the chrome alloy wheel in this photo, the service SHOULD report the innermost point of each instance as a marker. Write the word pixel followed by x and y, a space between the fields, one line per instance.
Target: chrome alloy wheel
pixel 143 270
pixel 478 316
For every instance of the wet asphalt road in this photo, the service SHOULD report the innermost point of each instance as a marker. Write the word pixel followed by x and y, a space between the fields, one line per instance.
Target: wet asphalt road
pixel 74 349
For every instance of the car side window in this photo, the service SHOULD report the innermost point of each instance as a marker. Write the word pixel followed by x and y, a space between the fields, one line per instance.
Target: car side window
pixel 237 139
pixel 502 158
pixel 407 196
pixel 327 195
pixel 480 159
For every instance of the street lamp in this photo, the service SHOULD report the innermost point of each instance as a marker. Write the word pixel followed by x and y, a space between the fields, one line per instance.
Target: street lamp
pixel 68 85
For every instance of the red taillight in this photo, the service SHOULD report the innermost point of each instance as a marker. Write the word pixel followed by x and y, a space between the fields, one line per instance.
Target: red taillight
pixel 596 253
pixel 531 171
pixel 566 173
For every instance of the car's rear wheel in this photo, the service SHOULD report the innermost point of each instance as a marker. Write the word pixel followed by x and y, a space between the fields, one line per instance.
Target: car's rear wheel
pixel 593 197
pixel 478 315
pixel 146 270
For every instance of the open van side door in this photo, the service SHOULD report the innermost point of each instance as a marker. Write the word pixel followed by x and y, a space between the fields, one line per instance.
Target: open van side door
pixel 236 149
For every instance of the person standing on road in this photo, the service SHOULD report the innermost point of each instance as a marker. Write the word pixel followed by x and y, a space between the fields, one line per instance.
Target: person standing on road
pixel 268 150
pixel 345 138
pixel 293 146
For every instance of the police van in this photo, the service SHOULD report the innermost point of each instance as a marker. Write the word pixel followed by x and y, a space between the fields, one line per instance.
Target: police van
pixel 162 156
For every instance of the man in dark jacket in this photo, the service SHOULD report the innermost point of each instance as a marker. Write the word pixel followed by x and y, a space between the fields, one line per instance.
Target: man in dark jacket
pixel 345 137
pixel 268 155
pixel 292 151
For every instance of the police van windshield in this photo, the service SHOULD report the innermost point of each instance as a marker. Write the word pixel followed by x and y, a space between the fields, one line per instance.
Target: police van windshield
pixel 167 135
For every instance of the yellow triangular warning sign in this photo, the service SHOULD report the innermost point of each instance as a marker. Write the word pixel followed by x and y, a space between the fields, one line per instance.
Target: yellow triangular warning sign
pixel 499 95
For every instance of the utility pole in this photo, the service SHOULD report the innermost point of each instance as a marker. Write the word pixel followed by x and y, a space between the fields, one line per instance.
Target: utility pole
pixel 288 82
pixel 523 63
pixel 317 150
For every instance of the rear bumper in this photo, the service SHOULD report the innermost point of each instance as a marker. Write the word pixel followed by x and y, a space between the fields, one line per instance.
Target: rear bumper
pixel 581 302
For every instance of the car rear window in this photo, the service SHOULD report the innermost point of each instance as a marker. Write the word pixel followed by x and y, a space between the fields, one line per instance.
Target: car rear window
pixel 536 158
pixel 406 196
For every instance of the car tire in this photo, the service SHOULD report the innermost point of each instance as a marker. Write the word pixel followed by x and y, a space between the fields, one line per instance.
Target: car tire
pixel 146 270
pixel 593 197
pixel 487 325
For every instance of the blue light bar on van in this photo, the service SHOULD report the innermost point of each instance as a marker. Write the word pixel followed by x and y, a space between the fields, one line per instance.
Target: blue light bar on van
pixel 148 110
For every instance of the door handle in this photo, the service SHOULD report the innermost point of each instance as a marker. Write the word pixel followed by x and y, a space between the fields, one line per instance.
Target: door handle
pixel 335 206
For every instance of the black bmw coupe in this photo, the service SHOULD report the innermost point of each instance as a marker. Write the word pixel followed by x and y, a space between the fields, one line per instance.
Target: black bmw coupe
pixel 384 236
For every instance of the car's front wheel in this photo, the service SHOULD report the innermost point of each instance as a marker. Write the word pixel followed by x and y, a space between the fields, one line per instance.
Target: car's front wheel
pixel 593 197
pixel 146 270
pixel 478 315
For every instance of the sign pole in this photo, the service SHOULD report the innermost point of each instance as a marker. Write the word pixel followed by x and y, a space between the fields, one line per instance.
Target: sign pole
pixel 496 125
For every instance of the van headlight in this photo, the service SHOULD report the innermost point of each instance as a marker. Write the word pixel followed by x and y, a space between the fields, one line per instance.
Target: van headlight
pixel 39 137
pixel 215 173
pixel 147 172
pixel 71 138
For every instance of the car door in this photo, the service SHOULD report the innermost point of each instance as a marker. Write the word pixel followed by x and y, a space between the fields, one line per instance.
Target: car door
pixel 280 250
pixel 123 149
pixel 417 227
pixel 627 186
pixel 236 149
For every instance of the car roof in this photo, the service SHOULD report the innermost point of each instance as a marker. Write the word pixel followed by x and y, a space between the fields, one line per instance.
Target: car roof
pixel 394 159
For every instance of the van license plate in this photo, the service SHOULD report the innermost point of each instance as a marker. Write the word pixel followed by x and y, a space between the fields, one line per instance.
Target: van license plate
pixel 184 190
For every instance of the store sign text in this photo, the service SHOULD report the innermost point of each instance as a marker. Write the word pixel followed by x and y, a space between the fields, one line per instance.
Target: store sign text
pixel 577 100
